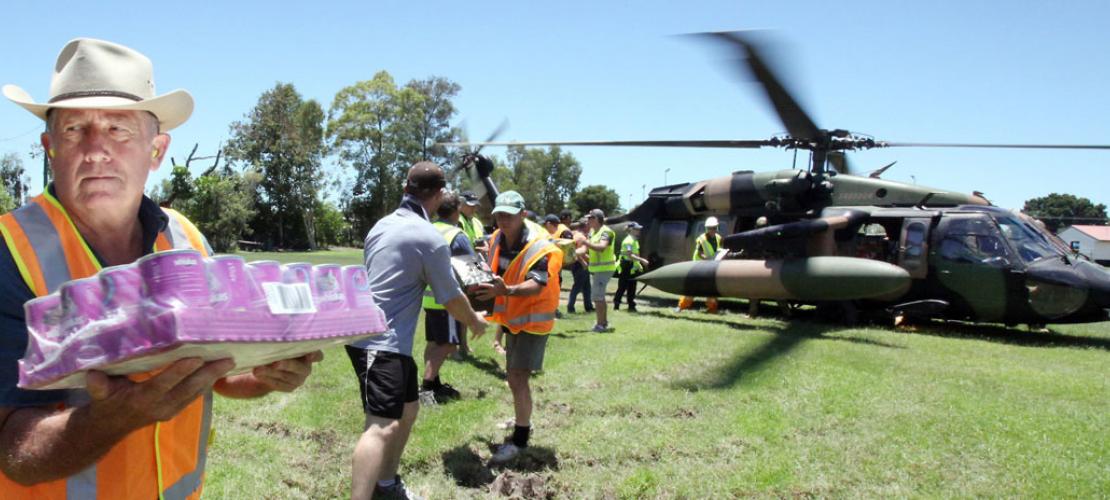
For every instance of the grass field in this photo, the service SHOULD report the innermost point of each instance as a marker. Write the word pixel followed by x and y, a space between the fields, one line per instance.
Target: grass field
pixel 716 406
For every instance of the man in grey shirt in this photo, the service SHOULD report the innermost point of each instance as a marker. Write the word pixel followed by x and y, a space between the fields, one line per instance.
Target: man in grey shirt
pixel 403 254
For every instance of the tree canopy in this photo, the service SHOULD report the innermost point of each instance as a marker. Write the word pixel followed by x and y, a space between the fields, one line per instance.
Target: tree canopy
pixel 1061 210
pixel 378 130
pixel 596 196
pixel 282 139
pixel 15 179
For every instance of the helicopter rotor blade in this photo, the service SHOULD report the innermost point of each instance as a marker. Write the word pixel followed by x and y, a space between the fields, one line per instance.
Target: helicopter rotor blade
pixel 997 146
pixel 793 117
pixel 501 128
pixel 877 174
pixel 724 143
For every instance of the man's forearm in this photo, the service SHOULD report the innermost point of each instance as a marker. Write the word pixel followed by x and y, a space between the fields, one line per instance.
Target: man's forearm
pixel 459 308
pixel 526 289
pixel 599 246
pixel 42 444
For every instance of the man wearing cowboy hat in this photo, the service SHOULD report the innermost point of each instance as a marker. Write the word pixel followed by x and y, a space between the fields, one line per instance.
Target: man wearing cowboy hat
pixel 121 437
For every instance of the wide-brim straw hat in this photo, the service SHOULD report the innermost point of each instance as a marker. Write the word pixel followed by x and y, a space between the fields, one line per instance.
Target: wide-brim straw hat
pixel 95 74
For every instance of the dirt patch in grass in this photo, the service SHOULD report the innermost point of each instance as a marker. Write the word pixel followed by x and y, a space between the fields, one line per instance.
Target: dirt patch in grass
pixel 516 485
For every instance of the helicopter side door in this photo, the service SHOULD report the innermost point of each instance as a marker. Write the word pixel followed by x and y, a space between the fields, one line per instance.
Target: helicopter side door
pixel 972 264
pixel 913 247
pixel 671 244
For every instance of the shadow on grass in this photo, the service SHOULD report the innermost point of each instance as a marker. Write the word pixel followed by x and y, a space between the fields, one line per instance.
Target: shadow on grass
pixel 785 340
pixel 1006 335
pixel 485 364
pixel 463 464
pixel 734 322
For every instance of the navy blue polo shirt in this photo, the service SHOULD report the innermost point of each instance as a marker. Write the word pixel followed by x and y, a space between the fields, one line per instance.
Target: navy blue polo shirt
pixel 13 327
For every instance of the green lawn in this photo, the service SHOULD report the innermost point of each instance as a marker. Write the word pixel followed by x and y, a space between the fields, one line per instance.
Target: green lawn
pixel 695 405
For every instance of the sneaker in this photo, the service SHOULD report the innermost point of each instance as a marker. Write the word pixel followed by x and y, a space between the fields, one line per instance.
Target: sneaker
pixel 445 393
pixel 599 329
pixel 427 398
pixel 398 491
pixel 570 310
pixel 504 453
pixel 676 310
pixel 632 310
pixel 558 314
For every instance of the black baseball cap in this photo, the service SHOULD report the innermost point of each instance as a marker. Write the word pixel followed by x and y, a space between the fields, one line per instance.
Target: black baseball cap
pixel 469 198
pixel 426 175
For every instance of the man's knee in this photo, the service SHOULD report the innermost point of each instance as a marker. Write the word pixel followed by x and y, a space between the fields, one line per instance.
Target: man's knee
pixel 518 378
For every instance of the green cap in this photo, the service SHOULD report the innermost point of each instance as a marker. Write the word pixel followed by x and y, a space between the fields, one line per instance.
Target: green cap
pixel 509 202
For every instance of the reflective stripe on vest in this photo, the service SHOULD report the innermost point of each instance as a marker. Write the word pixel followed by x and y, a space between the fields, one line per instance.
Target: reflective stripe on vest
pixel 449 233
pixel 49 251
pixel 604 260
pixel 702 243
pixel 536 313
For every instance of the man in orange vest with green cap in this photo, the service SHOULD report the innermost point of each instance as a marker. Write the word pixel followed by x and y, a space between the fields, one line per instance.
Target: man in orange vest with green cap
pixel 122 437
pixel 526 296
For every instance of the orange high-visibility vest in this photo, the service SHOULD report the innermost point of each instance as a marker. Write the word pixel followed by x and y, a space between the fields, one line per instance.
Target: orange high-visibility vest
pixel 164 460
pixel 534 314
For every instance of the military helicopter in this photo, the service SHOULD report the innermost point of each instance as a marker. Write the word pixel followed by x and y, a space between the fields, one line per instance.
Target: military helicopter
pixel 857 243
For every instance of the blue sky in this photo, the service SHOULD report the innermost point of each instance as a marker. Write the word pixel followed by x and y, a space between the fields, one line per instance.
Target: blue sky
pixel 942 71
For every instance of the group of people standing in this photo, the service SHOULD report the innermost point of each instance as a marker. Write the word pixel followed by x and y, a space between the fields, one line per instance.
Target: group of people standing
pixel 147 437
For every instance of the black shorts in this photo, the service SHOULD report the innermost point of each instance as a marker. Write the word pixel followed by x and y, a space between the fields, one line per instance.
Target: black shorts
pixel 386 381
pixel 441 328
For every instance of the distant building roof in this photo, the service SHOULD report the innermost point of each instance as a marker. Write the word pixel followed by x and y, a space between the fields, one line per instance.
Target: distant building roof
pixel 1101 233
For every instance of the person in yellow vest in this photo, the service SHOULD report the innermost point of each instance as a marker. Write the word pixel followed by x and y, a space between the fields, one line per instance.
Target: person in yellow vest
pixel 442 332
pixel 469 221
pixel 705 248
pixel 631 265
pixel 137 437
pixel 526 296
pixel 601 247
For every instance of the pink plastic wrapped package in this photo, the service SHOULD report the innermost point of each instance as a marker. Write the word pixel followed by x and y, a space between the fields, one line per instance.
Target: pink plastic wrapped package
pixel 178 304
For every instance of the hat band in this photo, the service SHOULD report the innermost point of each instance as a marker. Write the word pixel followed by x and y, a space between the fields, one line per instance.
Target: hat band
pixel 94 93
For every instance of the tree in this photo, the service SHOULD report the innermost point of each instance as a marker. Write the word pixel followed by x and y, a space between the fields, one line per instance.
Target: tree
pixel 222 206
pixel 331 227
pixel 432 115
pixel 15 178
pixel 7 204
pixel 282 139
pixel 547 179
pixel 358 131
pixel 596 196
pixel 378 130
pixel 1062 210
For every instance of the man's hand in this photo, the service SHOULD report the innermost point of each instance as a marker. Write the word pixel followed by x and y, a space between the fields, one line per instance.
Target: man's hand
pixel 288 374
pixel 478 326
pixel 285 376
pixel 496 288
pixel 157 399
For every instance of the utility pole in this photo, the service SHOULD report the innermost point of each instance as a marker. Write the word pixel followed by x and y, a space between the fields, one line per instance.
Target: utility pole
pixel 665 176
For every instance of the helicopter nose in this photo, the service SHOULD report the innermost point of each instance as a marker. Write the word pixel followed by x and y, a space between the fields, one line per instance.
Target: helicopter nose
pixel 1098 279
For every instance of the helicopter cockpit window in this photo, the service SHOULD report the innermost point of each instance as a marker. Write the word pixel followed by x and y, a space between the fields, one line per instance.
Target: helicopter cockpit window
pixel 1030 243
pixel 974 240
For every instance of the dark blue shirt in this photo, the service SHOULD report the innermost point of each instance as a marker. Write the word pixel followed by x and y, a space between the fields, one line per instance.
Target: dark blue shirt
pixel 13 328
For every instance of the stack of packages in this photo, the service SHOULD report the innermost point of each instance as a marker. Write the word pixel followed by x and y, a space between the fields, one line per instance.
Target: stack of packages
pixel 171 305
